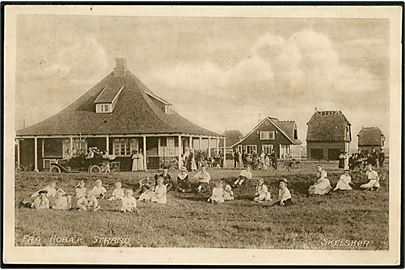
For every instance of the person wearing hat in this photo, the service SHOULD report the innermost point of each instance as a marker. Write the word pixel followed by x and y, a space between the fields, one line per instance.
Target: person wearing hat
pixel 183 182
pixel 63 201
pixel 372 176
pixel 41 201
pixel 284 194
pixel 344 182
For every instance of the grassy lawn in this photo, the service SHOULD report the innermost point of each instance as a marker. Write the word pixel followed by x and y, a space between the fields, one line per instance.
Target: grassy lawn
pixel 189 221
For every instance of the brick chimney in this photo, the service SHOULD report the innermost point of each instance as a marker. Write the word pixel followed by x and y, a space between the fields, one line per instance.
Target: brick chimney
pixel 120 67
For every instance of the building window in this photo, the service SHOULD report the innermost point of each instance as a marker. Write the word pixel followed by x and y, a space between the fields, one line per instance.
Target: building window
pixel 284 151
pixel 168 146
pixel 267 148
pixel 168 109
pixel 52 148
pixel 240 148
pixel 125 146
pixel 295 134
pixel 267 135
pixel 251 148
pixel 103 108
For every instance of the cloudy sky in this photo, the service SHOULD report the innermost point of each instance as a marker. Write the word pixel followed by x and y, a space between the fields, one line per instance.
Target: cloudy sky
pixel 220 73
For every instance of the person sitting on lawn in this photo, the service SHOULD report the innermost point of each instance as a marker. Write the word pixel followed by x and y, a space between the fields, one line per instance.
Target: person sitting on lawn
pixel 217 193
pixel 81 190
pixel 244 175
pixel 344 182
pixel 117 193
pixel 98 190
pixel 41 201
pixel 63 201
pixel 182 181
pixel 203 178
pixel 128 201
pixel 146 189
pixel 284 194
pixel 228 193
pixel 167 179
pixel 50 194
pixel 159 195
pixel 322 184
pixel 91 202
pixel 373 183
pixel 262 193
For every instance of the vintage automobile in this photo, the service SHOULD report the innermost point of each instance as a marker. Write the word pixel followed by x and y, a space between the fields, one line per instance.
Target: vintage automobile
pixel 80 163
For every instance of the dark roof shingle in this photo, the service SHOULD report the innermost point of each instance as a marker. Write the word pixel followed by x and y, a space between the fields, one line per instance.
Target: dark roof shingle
pixel 327 126
pixel 370 136
pixel 134 113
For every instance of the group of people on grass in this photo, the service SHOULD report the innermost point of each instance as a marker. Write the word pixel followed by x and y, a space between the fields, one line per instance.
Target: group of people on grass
pixel 361 159
pixel 261 161
pixel 155 190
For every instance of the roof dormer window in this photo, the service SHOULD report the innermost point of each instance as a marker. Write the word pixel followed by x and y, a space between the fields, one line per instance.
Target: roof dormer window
pixel 104 108
pixel 168 109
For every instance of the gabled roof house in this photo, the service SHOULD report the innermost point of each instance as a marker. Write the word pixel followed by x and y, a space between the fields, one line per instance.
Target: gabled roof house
pixel 119 115
pixel 328 134
pixel 369 138
pixel 271 135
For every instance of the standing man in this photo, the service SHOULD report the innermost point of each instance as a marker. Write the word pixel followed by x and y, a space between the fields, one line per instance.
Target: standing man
pixel 381 158
pixel 374 157
pixel 236 158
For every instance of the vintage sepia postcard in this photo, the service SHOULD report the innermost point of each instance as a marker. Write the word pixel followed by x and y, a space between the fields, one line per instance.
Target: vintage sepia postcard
pixel 202 135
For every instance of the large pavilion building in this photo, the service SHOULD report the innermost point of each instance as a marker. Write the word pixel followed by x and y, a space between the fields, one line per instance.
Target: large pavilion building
pixel 118 115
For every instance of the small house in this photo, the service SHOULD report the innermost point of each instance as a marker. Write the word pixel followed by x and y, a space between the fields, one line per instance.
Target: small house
pixel 369 138
pixel 328 134
pixel 118 115
pixel 271 135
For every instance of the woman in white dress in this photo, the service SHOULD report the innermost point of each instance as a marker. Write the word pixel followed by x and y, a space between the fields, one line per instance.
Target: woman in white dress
pixel 322 184
pixel 141 166
pixel 160 192
pixel 344 182
pixel 135 160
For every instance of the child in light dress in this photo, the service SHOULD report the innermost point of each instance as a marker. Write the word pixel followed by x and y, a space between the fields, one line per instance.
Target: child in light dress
pixel 262 193
pixel 322 184
pixel 41 201
pixel 118 192
pixel 98 190
pixel 128 201
pixel 217 194
pixel 160 192
pixel 81 190
pixel 63 201
pixel 284 194
pixel 344 182
pixel 228 193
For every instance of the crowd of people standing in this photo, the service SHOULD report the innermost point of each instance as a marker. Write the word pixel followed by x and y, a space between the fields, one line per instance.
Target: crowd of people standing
pixel 262 161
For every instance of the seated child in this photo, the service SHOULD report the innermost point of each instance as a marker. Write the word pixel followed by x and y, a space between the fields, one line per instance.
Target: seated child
pixel 344 182
pixel 228 193
pixel 146 190
pixel 183 181
pixel 98 190
pixel 372 176
pixel 203 178
pixel 217 194
pixel 128 201
pixel 50 194
pixel 284 195
pixel 41 201
pixel 63 201
pixel 262 192
pixel 81 190
pixel 92 202
pixel 160 192
pixel 118 192
pixel 244 175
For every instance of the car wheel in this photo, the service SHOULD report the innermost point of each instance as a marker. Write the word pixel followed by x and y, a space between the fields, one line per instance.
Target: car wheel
pixel 95 169
pixel 55 169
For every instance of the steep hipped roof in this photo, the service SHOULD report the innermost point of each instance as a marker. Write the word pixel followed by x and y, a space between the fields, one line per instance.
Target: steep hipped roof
pixel 232 136
pixel 134 113
pixel 370 136
pixel 285 127
pixel 110 91
pixel 327 126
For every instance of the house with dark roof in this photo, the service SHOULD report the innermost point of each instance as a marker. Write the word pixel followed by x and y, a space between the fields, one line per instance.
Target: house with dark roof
pixel 118 115
pixel 270 135
pixel 328 134
pixel 232 136
pixel 369 138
